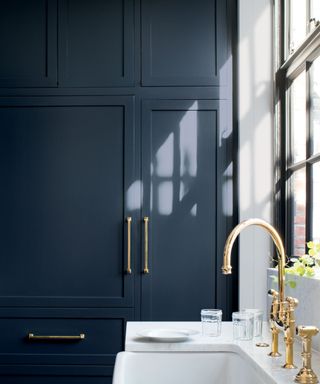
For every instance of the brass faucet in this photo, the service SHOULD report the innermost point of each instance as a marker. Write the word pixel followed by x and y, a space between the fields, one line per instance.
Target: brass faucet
pixel 282 309
pixel 306 374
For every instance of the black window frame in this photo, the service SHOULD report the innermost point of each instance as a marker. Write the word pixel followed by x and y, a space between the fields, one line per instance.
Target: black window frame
pixel 287 67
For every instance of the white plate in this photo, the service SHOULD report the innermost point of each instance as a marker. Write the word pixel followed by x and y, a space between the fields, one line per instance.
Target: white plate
pixel 167 334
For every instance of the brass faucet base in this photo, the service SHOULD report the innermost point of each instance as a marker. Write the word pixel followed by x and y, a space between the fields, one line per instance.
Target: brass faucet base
pixel 274 354
pixel 306 376
pixel 289 366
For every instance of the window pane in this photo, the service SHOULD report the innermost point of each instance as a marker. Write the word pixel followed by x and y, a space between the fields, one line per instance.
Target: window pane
pixel 315 9
pixel 316 202
pixel 315 104
pixel 298 23
pixel 298 201
pixel 298 118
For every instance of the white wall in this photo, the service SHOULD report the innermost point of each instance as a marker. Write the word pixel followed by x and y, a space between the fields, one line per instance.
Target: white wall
pixel 255 146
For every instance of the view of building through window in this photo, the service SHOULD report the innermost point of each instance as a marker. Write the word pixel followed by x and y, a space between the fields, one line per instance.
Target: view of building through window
pixel 298 108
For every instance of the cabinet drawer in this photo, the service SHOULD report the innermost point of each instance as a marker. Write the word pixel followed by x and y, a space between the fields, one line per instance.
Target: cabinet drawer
pixel 103 338
pixel 55 374
pixel 54 380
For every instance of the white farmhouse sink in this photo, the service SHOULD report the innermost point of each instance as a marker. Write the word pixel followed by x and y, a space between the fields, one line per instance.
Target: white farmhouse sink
pixel 186 368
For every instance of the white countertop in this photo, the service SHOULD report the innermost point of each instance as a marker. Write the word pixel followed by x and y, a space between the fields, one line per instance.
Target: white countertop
pixel 269 367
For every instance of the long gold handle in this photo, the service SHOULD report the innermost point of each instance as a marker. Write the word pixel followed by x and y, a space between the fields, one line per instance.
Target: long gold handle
pixel 129 271
pixel 146 245
pixel 32 336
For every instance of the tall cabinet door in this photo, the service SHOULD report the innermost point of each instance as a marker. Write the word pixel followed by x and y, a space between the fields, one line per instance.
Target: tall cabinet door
pixel 182 183
pixel 65 164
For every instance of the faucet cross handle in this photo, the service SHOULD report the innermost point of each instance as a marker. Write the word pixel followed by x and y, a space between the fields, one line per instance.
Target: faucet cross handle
pixel 292 301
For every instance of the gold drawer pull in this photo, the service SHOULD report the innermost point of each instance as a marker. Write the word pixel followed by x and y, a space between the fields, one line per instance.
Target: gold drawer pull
pixel 146 245
pixel 32 336
pixel 128 270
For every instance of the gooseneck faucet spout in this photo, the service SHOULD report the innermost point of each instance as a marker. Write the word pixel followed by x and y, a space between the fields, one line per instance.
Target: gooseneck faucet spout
pixel 227 268
pixel 282 309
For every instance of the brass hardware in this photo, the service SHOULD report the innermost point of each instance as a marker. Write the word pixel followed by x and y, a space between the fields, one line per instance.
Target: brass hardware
pixel 275 304
pixel 146 245
pixel 282 310
pixel 306 374
pixel 226 268
pixel 274 330
pixel 129 271
pixel 274 342
pixel 32 336
pixel 262 345
pixel 289 330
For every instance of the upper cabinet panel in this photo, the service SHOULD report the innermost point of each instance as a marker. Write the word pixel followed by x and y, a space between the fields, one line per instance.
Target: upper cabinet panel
pixel 28 44
pixel 183 43
pixel 96 43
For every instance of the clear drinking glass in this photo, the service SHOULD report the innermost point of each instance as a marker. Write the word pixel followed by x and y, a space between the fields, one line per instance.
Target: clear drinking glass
pixel 257 321
pixel 242 325
pixel 211 322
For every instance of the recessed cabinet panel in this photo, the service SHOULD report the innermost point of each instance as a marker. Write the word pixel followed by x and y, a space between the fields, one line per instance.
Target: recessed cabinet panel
pixel 102 337
pixel 64 167
pixel 28 43
pixel 44 378
pixel 184 42
pixel 96 43
pixel 180 179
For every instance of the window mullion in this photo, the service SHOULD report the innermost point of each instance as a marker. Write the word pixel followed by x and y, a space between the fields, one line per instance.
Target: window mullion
pixel 309 146
pixel 308 16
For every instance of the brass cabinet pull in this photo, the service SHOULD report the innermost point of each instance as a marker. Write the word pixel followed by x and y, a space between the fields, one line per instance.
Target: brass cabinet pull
pixel 32 336
pixel 146 245
pixel 128 270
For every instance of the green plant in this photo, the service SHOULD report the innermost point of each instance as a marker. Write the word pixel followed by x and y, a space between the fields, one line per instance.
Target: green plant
pixel 307 265
pixel 314 251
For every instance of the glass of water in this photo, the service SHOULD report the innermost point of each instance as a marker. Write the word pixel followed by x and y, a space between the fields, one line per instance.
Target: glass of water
pixel 211 322
pixel 242 325
pixel 257 321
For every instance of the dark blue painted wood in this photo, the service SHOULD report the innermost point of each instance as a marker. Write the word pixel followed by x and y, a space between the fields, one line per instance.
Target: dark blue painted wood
pixel 104 335
pixel 96 43
pixel 226 286
pixel 80 160
pixel 184 42
pixel 181 189
pixel 55 380
pixel 65 166
pixel 28 43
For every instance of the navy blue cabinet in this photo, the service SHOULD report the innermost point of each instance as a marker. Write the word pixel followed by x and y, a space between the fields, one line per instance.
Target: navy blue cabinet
pixel 92 339
pixel 182 167
pixel 96 43
pixel 110 111
pixel 28 43
pixel 184 42
pixel 65 165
